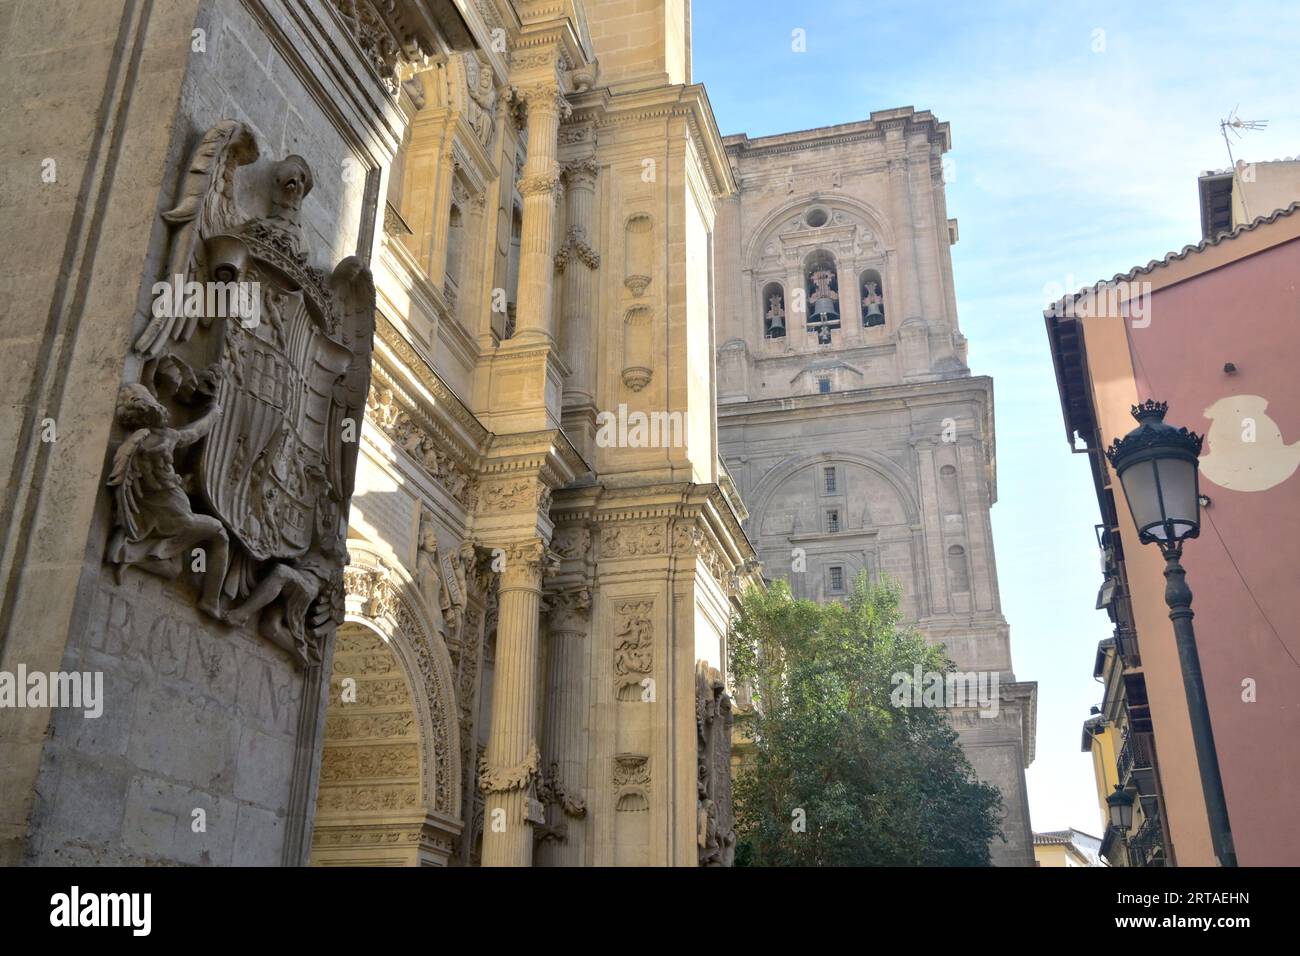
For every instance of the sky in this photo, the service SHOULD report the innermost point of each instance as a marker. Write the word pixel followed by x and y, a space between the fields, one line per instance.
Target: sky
pixel 1078 131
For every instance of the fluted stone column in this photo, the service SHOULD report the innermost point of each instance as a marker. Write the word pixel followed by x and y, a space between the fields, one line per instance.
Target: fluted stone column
pixel 512 761
pixel 564 728
pixel 540 187
pixel 577 332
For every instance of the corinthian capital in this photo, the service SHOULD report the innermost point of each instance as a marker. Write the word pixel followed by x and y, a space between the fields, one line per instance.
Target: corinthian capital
pixel 581 172
pixel 524 564
pixel 545 99
pixel 569 610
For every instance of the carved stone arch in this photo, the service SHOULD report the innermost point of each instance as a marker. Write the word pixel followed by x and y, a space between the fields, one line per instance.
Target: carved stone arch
pixel 770 225
pixel 896 477
pixel 382 595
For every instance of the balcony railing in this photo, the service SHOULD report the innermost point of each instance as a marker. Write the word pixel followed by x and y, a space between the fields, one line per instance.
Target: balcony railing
pixel 1148 847
pixel 1136 765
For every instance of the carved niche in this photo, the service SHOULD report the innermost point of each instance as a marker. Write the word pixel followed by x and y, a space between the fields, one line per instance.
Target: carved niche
pixel 716 818
pixel 638 253
pixel 638 347
pixel 266 361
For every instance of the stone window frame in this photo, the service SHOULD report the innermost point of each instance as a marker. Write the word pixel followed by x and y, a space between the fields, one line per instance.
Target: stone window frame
pixel 833 524
pixel 832 572
pixel 830 480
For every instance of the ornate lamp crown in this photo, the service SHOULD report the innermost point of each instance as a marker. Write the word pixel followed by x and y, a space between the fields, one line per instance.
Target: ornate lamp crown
pixel 1152 431
pixel 1149 409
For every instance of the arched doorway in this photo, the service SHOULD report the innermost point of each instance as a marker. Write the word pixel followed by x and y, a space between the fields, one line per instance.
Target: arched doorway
pixel 390 781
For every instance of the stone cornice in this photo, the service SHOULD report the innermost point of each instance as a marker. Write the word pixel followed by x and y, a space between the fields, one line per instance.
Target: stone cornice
pixel 605 109
pixel 904 118
pixel 936 392
pixel 447 400
pixel 549 454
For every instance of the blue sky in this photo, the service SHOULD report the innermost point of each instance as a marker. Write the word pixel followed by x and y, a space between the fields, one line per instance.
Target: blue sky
pixel 1069 164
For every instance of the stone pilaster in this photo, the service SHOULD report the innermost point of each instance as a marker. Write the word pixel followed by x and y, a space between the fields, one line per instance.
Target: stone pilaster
pixel 936 569
pixel 796 319
pixel 900 205
pixel 512 762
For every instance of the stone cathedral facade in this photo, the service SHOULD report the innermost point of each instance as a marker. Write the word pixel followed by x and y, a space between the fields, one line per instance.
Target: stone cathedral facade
pixel 366 572
pixel 363 580
pixel 855 432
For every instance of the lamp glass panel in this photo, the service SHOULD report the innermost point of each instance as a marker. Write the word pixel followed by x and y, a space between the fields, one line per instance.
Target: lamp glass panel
pixel 1178 485
pixel 1139 483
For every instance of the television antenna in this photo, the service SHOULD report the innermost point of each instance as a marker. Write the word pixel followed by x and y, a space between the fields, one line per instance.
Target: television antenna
pixel 1237 127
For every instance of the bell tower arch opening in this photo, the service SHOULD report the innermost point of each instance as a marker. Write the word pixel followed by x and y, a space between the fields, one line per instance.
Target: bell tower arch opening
pixel 821 277
pixel 774 310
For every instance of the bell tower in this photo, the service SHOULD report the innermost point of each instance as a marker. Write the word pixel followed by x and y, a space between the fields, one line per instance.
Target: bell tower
pixel 847 414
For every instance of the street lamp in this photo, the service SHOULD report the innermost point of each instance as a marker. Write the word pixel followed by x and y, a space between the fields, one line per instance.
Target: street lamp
pixel 1120 807
pixel 1157 466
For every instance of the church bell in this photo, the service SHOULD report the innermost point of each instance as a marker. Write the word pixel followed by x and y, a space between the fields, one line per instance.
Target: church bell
pixel 824 297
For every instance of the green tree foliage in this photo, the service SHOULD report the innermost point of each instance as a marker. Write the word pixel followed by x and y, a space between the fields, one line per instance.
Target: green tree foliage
pixel 873 784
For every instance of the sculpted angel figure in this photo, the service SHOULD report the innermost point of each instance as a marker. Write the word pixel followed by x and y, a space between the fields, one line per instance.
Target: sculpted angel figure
pixel 156 525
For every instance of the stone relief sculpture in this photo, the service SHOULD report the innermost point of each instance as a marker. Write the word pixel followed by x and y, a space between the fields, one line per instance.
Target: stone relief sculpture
pixel 716 826
pixel 631 780
pixel 156 525
pixel 428 573
pixel 482 98
pixel 383 409
pixel 285 379
pixel 633 648
pixel 441 577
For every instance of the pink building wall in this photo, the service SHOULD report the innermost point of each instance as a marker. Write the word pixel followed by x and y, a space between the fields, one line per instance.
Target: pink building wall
pixel 1244 570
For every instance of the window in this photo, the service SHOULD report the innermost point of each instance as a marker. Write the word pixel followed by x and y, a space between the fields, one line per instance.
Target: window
pixel 773 308
pixel 837 579
pixel 833 520
pixel 824 384
pixel 872 290
pixel 828 478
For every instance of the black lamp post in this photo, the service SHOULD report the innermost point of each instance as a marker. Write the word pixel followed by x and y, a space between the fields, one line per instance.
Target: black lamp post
pixel 1157 465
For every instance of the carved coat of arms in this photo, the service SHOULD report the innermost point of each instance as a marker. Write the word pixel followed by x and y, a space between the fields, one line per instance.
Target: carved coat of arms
pixel 267 358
